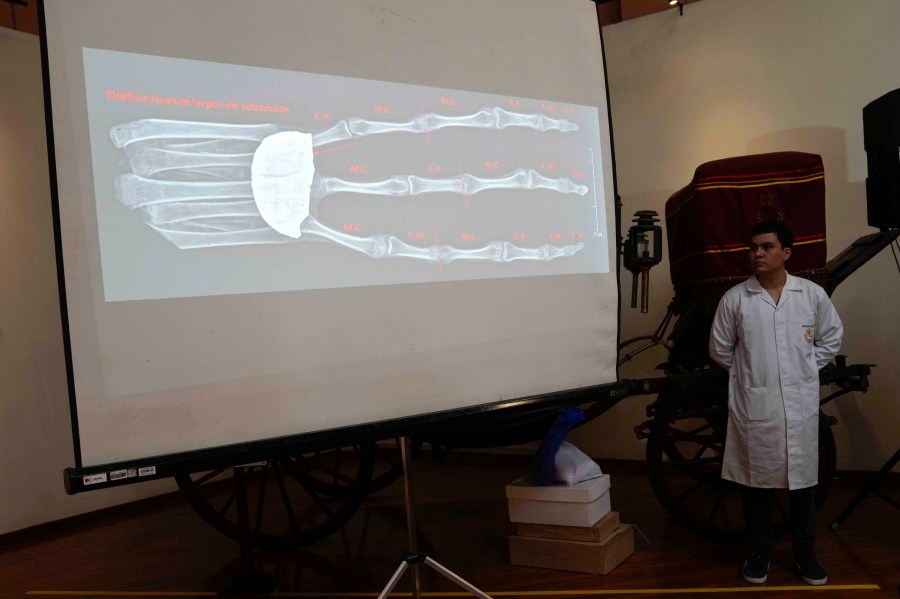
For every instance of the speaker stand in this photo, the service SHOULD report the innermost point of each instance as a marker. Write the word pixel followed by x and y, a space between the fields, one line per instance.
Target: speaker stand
pixel 414 558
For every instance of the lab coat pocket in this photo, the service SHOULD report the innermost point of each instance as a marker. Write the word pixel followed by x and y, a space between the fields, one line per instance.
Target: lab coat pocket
pixel 755 404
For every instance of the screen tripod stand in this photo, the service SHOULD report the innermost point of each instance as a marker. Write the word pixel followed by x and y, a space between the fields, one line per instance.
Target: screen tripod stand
pixel 414 557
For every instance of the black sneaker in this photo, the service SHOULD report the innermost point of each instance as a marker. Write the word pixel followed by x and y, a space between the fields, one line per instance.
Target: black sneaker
pixel 811 571
pixel 756 568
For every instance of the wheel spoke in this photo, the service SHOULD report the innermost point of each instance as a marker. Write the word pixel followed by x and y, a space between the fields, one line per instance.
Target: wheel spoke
pixel 337 467
pixel 332 472
pixel 310 491
pixel 261 498
pixel 285 498
pixel 716 449
pixel 697 430
pixel 681 435
pixel 681 497
pixel 717 506
pixel 228 502
pixel 208 476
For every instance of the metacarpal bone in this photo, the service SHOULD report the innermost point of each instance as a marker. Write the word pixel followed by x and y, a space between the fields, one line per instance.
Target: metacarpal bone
pixel 148 161
pixel 134 191
pixel 174 212
pixel 145 129
pixel 251 234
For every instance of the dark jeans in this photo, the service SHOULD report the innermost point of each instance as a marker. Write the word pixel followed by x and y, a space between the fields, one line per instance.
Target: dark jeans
pixel 758 508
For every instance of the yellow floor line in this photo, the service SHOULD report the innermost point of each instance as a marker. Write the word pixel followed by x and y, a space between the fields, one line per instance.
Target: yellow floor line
pixel 574 593
pixel 125 593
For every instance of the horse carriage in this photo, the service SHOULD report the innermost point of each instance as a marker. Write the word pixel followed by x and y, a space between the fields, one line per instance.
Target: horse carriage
pixel 300 495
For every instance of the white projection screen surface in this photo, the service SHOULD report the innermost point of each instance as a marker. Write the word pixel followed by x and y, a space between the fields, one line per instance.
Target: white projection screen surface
pixel 280 218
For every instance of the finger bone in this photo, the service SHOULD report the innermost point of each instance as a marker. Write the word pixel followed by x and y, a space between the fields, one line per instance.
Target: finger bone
pixel 486 118
pixel 404 185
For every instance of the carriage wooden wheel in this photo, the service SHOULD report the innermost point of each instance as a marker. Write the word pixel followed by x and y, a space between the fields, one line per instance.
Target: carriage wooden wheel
pixel 685 443
pixel 296 500
pixel 386 468
pixel 291 500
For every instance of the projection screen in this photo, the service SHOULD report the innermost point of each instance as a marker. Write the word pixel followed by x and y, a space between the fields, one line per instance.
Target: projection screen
pixel 279 218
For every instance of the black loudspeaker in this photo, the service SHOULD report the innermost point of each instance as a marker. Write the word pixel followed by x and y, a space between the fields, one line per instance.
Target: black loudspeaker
pixel 881 137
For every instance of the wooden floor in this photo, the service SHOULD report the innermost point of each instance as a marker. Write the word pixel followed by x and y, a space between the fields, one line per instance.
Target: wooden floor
pixel 160 547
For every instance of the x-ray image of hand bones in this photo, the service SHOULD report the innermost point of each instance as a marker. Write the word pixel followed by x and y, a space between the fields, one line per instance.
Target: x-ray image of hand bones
pixel 205 184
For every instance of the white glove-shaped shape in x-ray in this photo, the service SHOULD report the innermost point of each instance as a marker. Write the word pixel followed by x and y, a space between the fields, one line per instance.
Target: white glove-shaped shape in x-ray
pixel 204 184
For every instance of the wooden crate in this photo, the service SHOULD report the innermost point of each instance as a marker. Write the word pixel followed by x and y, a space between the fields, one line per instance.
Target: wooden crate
pixel 604 527
pixel 574 556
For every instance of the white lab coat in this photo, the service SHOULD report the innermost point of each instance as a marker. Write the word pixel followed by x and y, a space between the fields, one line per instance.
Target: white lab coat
pixel 773 355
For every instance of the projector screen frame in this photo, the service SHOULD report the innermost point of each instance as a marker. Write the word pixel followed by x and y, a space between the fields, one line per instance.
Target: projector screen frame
pixel 86 478
pixel 90 478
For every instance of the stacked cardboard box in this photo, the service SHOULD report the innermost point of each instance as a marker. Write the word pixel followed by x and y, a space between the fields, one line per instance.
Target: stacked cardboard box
pixel 567 527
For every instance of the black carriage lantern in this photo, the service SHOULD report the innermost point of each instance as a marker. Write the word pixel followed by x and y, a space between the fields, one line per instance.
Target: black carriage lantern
pixel 642 251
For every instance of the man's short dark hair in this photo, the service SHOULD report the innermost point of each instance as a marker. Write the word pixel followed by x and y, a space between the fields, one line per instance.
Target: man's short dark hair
pixel 781 230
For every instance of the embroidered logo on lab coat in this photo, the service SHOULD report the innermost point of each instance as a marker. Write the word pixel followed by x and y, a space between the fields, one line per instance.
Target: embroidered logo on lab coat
pixel 808 333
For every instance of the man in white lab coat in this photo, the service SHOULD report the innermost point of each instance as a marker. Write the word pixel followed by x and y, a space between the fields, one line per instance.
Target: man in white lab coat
pixel 773 333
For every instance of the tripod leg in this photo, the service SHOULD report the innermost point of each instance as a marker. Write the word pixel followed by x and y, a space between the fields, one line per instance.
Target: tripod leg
pixel 450 575
pixel 394 580
pixel 415 558
pixel 411 534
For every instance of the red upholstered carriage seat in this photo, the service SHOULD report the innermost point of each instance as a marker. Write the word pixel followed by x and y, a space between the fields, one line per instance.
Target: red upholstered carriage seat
pixel 709 220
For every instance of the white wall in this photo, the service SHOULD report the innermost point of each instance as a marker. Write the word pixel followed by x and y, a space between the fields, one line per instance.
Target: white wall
pixel 35 430
pixel 735 77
